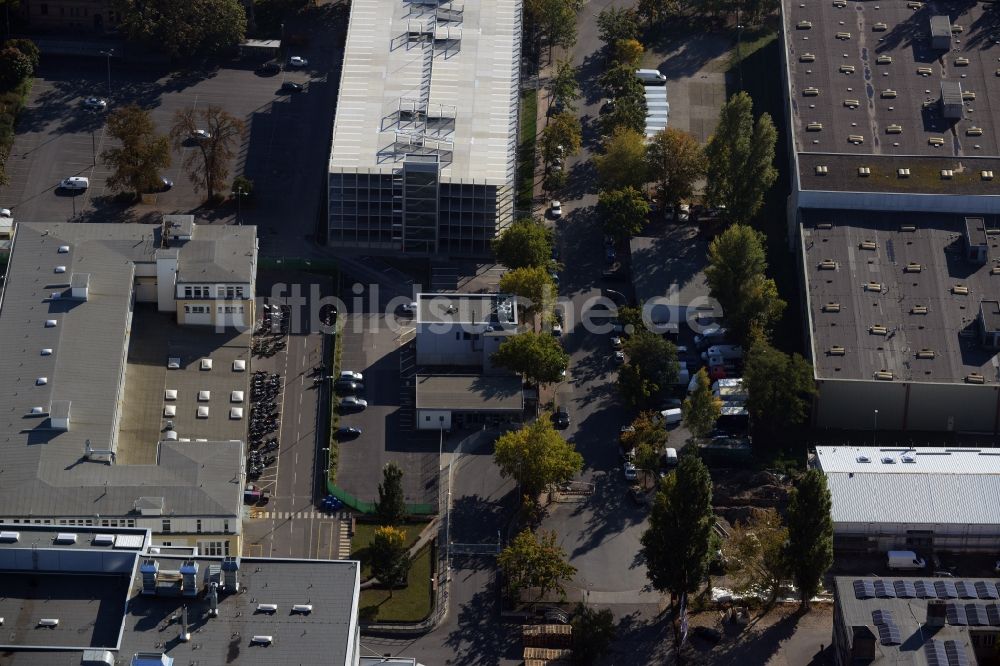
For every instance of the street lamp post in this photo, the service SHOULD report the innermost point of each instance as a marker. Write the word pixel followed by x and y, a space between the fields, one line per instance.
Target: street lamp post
pixel 875 430
pixel 108 54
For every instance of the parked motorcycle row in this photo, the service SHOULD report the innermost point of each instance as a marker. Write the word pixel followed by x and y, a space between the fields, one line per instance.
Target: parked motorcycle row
pixel 269 338
pixel 264 422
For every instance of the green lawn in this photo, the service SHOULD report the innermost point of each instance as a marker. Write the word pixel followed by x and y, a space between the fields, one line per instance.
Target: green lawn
pixel 363 534
pixel 526 150
pixel 409 604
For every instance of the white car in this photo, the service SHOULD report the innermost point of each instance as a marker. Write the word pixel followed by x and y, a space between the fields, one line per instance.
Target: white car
pixel 351 376
pixel 352 402
pixel 95 104
pixel 5 212
pixel 296 61
pixel 74 183
pixel 201 135
pixel 556 209
pixel 630 472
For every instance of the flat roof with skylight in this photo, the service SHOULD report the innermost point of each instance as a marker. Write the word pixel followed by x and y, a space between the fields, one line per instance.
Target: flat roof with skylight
pixel 880 102
pixel 450 308
pixel 900 294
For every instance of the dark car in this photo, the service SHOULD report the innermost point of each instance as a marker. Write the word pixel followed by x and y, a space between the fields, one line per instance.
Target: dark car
pixel 348 433
pixel 292 87
pixel 269 68
pixel 560 418
pixel 347 387
pixel 166 184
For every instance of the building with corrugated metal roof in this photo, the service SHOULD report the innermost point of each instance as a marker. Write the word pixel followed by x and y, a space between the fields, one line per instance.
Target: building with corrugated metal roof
pixel 921 499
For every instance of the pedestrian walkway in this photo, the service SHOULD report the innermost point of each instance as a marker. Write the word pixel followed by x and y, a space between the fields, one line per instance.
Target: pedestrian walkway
pixel 291 515
pixel 344 543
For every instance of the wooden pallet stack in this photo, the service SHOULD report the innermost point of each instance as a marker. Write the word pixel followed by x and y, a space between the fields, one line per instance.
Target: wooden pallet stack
pixel 547 644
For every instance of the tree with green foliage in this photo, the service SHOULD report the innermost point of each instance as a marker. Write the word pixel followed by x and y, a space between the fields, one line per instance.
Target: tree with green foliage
pixel 561 137
pixel 646 437
pixel 620 82
pixel 623 212
pixel 755 555
pixel 563 86
pixel 741 159
pixel 390 557
pixel 537 356
pixel 616 23
pixel 628 52
pixel 677 544
pixel 657 357
pixel 180 29
pixel 593 632
pixel 702 408
pixel 534 287
pixel 623 160
pixel 780 388
pixel 140 153
pixel 535 562
pixel 555 20
pixel 630 317
pixel 554 180
pixel 736 278
pixel 654 12
pixel 635 388
pixel 28 48
pixel 536 456
pixel 208 166
pixel 526 242
pixel 810 535
pixel 14 67
pixel 391 506
pixel 676 163
pixel 242 187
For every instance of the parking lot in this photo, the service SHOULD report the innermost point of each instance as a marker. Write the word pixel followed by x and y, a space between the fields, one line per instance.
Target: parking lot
pixel 284 151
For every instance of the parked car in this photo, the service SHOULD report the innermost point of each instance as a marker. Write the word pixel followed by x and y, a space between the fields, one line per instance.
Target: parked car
pixel 95 104
pixel 609 254
pixel 74 183
pixel 292 87
pixel 165 184
pixel 347 387
pixel 201 135
pixel 557 329
pixel 619 356
pixel 616 342
pixel 556 209
pixel 410 308
pixel 296 61
pixel 713 337
pixel 353 402
pixel 269 68
pixel 560 418
pixel 5 212
pixel 630 472
pixel 352 375
pixel 348 433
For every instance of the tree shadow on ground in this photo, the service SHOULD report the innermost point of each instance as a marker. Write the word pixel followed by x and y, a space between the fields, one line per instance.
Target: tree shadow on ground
pixel 480 637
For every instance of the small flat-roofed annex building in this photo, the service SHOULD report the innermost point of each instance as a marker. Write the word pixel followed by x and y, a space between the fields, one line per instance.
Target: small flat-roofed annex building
pixel 425 136
pixel 923 499
pixel 462 330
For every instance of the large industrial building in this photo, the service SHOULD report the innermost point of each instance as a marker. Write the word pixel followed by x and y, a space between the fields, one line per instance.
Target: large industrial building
pixel 108 597
pixel 425 136
pixel 894 149
pixel 125 371
pixel 924 499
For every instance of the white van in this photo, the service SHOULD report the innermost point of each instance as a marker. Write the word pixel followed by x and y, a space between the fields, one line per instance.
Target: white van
pixel 670 457
pixel 905 559
pixel 74 183
pixel 648 76
pixel 727 352
pixel 671 416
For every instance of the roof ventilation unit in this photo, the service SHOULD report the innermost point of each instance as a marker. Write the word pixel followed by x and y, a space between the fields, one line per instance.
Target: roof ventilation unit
pixel 843 36
pixel 864 171
pixel 968 96
pixel 47 351
pixel 888 93
pixel 868 245
pixel 810 92
pixel 828 265
pixel 261 640
pixel 907 458
pixel 807 57
pixel 51 323
pixel 878 329
pixel 961 62
pixel 50 622
pixel 60 269
pixel 839 4
pixel 831 307
pixel 9 536
pixel 41 381
pixel 863 459
pixel 822 170
pixel 938 141
pixel 926 354
pixel 852 103
pixel 975 378
pixel 986 175
pixel 847 69
pixel 267 608
pixel 913 267
pixel 825 225
pixel 814 127
pixel 883 376
pixel 925 71
pixel 888 460
pixel 104 539
pixel 856 139
pixel 919 309
pixel 947 174
pixel 873 286
pixel 304 609
pixel 837 351
pixel 37 411
pixel 974 131
pixel 908 227
pixel 884 60
pixel 960 290
pixel 206 364
pixel 903 173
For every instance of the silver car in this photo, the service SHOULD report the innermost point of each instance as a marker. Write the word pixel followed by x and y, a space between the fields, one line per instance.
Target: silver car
pixel 353 402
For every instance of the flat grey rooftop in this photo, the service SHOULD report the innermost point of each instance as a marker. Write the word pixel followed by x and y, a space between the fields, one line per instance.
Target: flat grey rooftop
pixel 465 76
pixel 433 308
pixel 949 327
pixel 469 392
pixel 899 600
pixel 856 102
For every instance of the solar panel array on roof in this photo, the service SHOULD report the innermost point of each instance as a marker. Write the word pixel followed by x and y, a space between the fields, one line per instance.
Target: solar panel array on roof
pixel 924 589
pixel 904 589
pixel 993 614
pixel 864 589
pixel 965 590
pixel 975 614
pixel 956 653
pixel 945 589
pixel 934 651
pixel 888 630
pixel 986 590
pixel 884 589
pixel 956 614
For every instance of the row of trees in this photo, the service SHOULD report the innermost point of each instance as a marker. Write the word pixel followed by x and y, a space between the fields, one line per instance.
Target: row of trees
pixel 389 552
pixel 141 153
pixel 18 61
pixel 678 545
pixel 193 27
